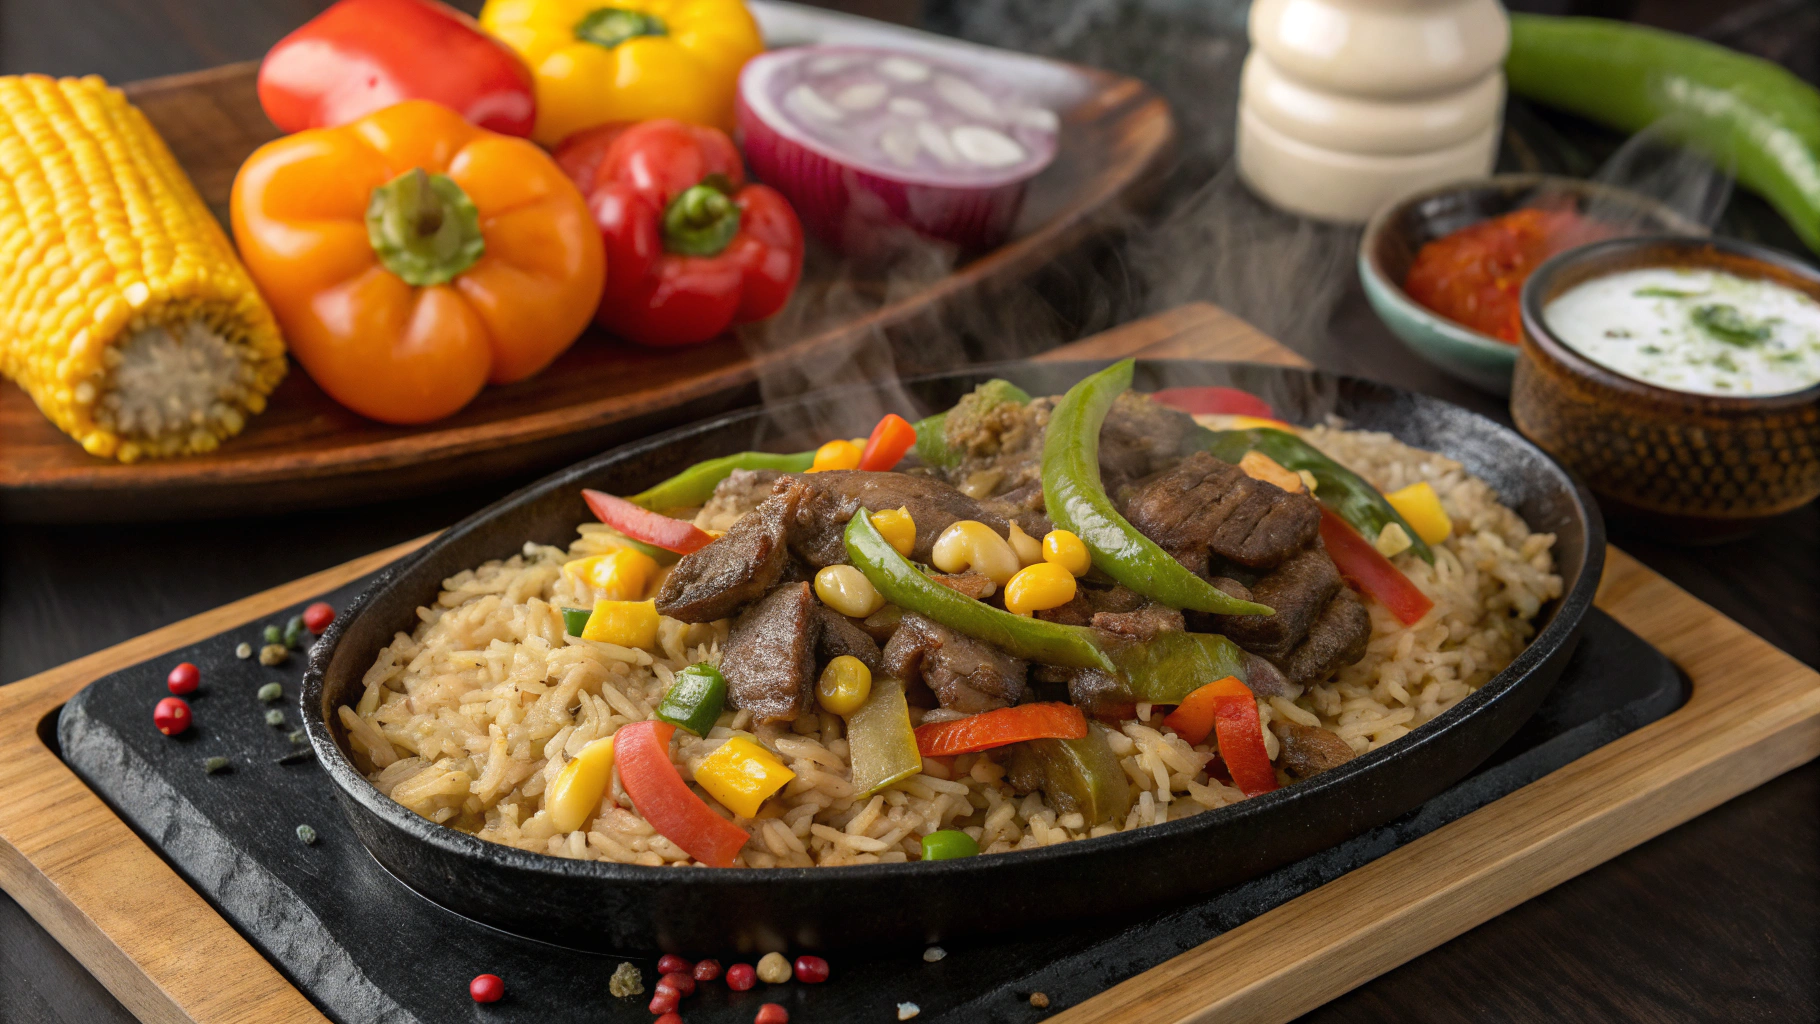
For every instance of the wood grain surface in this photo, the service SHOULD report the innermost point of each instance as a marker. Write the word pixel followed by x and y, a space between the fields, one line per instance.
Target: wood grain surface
pixel 1755 713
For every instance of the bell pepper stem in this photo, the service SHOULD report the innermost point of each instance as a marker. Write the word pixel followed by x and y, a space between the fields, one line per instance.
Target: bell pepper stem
pixel 701 221
pixel 424 228
pixel 610 26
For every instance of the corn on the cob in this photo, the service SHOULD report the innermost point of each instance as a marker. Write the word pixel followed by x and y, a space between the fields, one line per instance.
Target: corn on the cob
pixel 124 311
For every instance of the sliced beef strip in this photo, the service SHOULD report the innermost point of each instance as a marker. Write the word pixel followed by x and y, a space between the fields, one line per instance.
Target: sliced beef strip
pixel 1139 438
pixel 1142 624
pixel 1099 695
pixel 1091 601
pixel 715 581
pixel 769 659
pixel 821 518
pixel 1298 590
pixel 1309 750
pixel 1266 680
pixel 741 492
pixel 965 674
pixel 1205 506
pixel 1337 637
pixel 974 584
pixel 842 636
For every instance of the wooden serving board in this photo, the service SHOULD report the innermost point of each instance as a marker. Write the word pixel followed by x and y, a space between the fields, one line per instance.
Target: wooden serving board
pixel 1754 713
pixel 307 451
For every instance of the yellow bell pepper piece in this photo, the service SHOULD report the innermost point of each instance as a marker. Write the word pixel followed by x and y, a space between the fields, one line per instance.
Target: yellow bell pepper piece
pixel 1421 507
pixel 600 61
pixel 575 795
pixel 626 623
pixel 742 775
pixel 620 575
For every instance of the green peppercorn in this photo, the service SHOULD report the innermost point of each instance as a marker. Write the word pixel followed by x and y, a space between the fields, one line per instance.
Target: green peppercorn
pixel 307 834
pixel 215 764
pixel 274 717
pixel 273 635
pixel 271 692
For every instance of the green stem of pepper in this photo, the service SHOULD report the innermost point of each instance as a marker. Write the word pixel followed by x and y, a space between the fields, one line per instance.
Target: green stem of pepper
pixel 694 486
pixel 1081 776
pixel 574 620
pixel 1077 501
pixel 694 700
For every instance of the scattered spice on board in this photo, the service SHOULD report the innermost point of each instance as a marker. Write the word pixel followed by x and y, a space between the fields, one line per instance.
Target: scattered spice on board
pixel 1039 1000
pixel 773 969
pixel 297 738
pixel 741 977
pixel 296 757
pixel 317 617
pixel 274 635
pixel 811 970
pixel 293 632
pixel 271 692
pixel 627 981
pixel 171 715
pixel 486 988
pixel 934 953
pixel 273 654
pixel 307 834
pixel 244 651
pixel 215 764
pixel 184 678
pixel 774 1013
pixel 274 717
pixel 706 970
pixel 905 1011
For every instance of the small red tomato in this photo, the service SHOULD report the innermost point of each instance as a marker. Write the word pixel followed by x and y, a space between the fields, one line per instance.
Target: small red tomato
pixel 669 1018
pixel 741 977
pixel 317 617
pixel 171 716
pixel 811 970
pixel 771 1013
pixel 707 970
pixel 663 1000
pixel 487 988
pixel 683 984
pixel 184 678
pixel 670 963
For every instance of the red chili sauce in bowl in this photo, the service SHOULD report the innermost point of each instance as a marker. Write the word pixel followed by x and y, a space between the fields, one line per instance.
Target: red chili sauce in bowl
pixel 1475 275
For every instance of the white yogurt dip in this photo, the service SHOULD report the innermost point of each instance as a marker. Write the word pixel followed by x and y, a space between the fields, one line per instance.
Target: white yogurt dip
pixel 1701 331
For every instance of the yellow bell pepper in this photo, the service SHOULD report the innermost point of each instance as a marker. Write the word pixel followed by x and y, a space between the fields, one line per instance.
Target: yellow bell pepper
pixel 620 575
pixel 575 795
pixel 1421 506
pixel 631 61
pixel 742 775
pixel 626 623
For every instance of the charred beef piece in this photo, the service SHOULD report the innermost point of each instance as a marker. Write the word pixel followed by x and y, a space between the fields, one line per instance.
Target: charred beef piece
pixel 1337 637
pixel 965 674
pixel 715 581
pixel 1310 750
pixel 1091 601
pixel 1298 589
pixel 1142 624
pixel 1139 438
pixel 741 492
pixel 1204 506
pixel 769 659
pixel 1266 680
pixel 842 636
pixel 832 498
pixel 1099 695
pixel 974 584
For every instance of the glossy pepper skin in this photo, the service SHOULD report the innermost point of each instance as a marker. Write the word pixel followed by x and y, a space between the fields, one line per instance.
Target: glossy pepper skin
pixel 518 260
pixel 691 248
pixel 604 61
pixel 361 56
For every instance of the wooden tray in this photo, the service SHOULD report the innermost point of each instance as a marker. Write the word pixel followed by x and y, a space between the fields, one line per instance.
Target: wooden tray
pixel 1754 713
pixel 307 451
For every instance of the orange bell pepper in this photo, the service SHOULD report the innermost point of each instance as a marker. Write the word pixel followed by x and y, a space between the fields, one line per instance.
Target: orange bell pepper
pixel 412 258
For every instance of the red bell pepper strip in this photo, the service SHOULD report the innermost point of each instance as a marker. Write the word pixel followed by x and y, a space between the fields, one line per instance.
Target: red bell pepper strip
pixel 642 751
pixel 361 56
pixel 1215 401
pixel 890 441
pixel 1370 571
pixel 998 728
pixel 643 525
pixel 1229 709
pixel 692 249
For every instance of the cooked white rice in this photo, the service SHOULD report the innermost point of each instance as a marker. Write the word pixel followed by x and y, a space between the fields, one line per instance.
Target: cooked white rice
pixel 468 718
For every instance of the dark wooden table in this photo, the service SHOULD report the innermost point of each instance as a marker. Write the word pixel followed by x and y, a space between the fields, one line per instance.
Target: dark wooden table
pixel 1718 920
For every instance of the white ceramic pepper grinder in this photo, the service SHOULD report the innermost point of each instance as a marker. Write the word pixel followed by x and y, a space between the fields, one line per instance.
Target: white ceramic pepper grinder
pixel 1345 105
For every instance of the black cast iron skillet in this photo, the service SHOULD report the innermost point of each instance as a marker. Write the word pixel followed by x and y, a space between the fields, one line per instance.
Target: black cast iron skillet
pixel 612 907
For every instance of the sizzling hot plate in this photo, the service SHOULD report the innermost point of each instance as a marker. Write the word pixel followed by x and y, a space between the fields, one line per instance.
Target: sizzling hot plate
pixel 614 907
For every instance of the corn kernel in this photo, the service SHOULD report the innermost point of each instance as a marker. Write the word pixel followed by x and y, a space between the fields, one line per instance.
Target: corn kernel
pixel 1393 540
pixel 742 775
pixel 970 545
pixel 1038 588
pixel 844 685
pixel 1259 466
pixel 620 575
pixel 1066 550
pixel 626 623
pixel 898 529
pixel 575 795
pixel 836 455
pixel 1029 549
pixel 848 591
pixel 1421 507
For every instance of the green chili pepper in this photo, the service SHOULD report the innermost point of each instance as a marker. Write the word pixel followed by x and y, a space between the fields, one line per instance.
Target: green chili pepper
pixel 1079 776
pixel 694 701
pixel 574 620
pixel 949 844
pixel 1172 665
pixel 904 585
pixel 1337 487
pixel 695 485
pixel 1746 114
pixel 1076 501
pixel 932 443
pixel 880 740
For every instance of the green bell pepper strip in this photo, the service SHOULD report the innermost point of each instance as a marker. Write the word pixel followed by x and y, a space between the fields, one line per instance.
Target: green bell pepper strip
pixel 880 741
pixel 1172 665
pixel 1748 115
pixel 1077 501
pixel 695 485
pixel 1337 487
pixel 949 844
pixel 694 700
pixel 902 584
pixel 574 620
pixel 1081 776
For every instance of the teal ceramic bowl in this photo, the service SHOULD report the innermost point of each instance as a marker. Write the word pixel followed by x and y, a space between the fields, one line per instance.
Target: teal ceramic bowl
pixel 1396 232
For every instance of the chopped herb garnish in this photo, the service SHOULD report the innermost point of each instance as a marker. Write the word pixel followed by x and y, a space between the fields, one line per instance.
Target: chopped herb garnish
pixel 307 834
pixel 627 981
pixel 271 692
pixel 274 717
pixel 1724 322
pixel 1656 291
pixel 574 620
pixel 1617 332
pixel 1724 361
pixel 1653 350
pixel 215 764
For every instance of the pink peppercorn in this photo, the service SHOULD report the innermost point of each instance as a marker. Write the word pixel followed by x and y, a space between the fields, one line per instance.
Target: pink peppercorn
pixel 670 963
pixel 771 1013
pixel 811 970
pixel 486 988
pixel 317 617
pixel 707 970
pixel 669 1018
pixel 184 678
pixel 682 983
pixel 741 977
pixel 171 716
pixel 663 1000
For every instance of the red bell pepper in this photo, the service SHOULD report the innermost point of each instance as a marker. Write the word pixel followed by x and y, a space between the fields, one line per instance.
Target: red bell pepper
pixel 1228 709
pixel 999 728
pixel 890 441
pixel 361 56
pixel 643 525
pixel 657 789
pixel 1370 571
pixel 1215 400
pixel 692 249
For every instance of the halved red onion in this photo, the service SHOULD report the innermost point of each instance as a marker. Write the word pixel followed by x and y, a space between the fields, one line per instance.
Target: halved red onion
pixel 862 139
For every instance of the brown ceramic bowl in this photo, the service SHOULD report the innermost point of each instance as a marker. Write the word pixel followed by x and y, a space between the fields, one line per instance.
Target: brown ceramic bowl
pixel 1692 468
